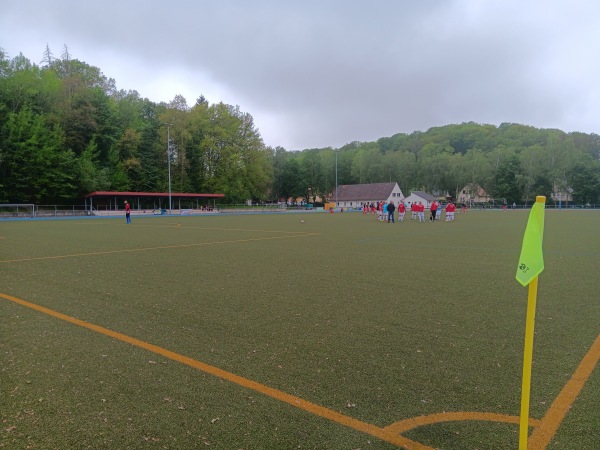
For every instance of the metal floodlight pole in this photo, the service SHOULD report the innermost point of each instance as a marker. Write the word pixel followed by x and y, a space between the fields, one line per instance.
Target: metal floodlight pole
pixel 336 179
pixel 169 161
pixel 169 125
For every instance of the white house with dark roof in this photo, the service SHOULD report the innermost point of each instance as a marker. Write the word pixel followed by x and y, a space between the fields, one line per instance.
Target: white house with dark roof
pixel 420 196
pixel 472 193
pixel 357 195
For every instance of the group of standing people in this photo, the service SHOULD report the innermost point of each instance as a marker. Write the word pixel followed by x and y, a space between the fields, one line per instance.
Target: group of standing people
pixel 386 211
pixel 417 210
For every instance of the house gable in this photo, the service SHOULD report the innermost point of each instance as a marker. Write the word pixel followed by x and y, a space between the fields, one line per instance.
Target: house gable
pixel 473 193
pixel 355 195
pixel 420 196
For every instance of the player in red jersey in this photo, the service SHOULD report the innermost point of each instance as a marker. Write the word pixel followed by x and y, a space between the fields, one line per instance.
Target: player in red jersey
pixel 450 209
pixel 127 213
pixel 401 212
pixel 421 212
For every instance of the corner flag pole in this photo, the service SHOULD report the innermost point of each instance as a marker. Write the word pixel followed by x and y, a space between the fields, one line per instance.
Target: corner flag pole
pixel 531 264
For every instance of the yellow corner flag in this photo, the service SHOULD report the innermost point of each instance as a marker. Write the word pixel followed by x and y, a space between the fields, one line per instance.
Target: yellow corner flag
pixel 531 262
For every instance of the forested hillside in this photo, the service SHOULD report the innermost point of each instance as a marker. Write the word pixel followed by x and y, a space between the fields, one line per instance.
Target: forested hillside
pixel 65 130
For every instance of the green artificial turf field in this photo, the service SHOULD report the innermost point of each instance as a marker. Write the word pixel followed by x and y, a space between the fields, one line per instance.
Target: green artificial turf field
pixel 263 332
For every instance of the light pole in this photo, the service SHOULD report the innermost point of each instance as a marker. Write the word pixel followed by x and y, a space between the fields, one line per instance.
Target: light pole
pixel 169 125
pixel 336 179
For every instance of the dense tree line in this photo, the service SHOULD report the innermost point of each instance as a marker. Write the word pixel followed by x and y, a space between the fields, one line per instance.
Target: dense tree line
pixel 513 162
pixel 65 130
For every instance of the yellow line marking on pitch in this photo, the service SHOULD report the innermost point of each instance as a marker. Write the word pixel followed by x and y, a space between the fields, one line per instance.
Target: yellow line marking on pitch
pixel 544 429
pixel 277 394
pixel 542 435
pixel 162 247
pixel 414 422
pixel 244 229
pixel 178 225
pixel 170 225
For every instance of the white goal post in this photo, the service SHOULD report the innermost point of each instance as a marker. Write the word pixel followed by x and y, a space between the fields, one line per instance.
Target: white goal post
pixel 8 210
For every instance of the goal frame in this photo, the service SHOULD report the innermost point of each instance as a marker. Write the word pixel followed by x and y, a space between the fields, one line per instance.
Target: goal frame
pixel 17 210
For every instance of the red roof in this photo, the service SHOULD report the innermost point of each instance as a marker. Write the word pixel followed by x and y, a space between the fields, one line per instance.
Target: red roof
pixel 151 194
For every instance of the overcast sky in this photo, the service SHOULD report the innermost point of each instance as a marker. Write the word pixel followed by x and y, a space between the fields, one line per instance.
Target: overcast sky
pixel 325 73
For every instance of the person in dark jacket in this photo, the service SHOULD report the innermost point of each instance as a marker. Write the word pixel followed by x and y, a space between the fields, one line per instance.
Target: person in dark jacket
pixel 390 210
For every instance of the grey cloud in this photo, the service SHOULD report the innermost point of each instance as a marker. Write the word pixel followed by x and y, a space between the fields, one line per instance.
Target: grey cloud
pixel 331 72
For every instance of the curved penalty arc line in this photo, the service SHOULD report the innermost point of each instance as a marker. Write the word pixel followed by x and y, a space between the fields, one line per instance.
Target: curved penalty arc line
pixel 544 429
pixel 403 426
